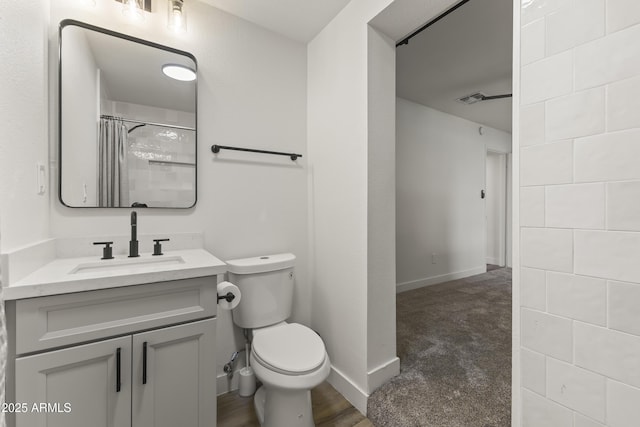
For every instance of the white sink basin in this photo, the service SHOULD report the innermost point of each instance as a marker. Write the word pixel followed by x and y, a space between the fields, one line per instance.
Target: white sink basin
pixel 67 275
pixel 126 264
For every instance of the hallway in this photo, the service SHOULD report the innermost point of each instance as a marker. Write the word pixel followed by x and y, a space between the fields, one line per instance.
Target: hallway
pixel 454 344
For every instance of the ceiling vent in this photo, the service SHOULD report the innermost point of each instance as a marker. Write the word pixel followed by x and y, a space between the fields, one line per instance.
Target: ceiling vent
pixel 473 98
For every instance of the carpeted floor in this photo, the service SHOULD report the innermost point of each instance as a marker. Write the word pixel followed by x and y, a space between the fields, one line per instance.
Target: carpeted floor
pixel 454 344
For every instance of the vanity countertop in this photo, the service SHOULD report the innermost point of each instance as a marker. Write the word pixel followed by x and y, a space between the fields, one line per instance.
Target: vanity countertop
pixel 67 275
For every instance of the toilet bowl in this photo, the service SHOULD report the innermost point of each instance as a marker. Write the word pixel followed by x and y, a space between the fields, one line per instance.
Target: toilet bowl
pixel 288 358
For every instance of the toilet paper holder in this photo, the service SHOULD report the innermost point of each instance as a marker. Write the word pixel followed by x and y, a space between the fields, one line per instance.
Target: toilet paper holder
pixel 229 297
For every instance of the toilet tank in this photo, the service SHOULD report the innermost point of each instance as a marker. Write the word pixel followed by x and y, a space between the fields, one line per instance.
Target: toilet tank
pixel 266 284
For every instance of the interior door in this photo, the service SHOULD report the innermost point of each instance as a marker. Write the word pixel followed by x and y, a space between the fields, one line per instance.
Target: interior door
pixel 86 385
pixel 174 377
pixel 495 208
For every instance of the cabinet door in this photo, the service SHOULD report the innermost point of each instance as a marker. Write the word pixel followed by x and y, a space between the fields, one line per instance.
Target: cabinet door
pixel 174 381
pixel 76 387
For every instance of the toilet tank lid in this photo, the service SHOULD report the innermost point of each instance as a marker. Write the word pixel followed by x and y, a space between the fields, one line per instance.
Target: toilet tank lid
pixel 261 264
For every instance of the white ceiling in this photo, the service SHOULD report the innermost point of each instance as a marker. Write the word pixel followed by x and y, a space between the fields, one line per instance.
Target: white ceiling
pixel 299 20
pixel 467 51
pixel 132 72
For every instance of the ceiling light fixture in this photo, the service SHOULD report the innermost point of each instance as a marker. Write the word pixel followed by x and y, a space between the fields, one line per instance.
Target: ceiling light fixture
pixel 179 72
pixel 132 9
pixel 177 17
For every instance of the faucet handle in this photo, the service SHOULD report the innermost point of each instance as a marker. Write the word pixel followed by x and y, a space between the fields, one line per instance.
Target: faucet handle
pixel 157 246
pixel 107 251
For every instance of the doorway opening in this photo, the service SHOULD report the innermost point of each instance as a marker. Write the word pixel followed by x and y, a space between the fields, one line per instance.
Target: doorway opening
pixel 497 206
pixel 453 111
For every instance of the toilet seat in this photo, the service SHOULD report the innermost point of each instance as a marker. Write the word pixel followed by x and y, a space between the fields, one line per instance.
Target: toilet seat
pixel 290 349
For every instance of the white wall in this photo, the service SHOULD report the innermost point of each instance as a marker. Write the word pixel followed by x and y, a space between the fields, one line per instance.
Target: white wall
pixel 382 362
pixel 580 192
pixel 252 92
pixel 24 113
pixel 350 131
pixel 440 163
pixel 81 85
pixel 338 137
pixel 24 142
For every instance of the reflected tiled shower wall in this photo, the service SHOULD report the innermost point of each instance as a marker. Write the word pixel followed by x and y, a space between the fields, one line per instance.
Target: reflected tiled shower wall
pixel 580 212
pixel 162 166
pixel 161 160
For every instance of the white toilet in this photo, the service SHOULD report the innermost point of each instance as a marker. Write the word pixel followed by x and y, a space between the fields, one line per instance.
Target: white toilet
pixel 288 358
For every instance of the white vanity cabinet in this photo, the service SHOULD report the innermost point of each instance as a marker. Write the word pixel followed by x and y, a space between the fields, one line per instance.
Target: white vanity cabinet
pixel 177 386
pixel 135 356
pixel 80 382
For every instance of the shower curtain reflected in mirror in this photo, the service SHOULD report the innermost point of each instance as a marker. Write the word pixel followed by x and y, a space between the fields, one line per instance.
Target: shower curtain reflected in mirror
pixel 113 180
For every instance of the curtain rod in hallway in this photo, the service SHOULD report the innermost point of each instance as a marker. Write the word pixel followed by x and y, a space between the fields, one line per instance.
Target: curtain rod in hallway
pixel 430 23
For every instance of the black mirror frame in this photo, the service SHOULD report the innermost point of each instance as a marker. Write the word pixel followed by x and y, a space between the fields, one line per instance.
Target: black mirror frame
pixel 72 22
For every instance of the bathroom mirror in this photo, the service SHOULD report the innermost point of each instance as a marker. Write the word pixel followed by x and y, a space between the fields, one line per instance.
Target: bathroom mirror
pixel 127 124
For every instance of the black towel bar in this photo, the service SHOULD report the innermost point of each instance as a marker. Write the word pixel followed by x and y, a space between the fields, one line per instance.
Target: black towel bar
pixel 216 149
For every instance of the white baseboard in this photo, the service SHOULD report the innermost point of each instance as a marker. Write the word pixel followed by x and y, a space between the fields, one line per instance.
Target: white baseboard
pixel 493 261
pixel 349 390
pixel 383 373
pixel 223 385
pixel 337 379
pixel 415 284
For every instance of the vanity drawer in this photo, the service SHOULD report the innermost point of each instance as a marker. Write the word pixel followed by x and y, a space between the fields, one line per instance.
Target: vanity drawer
pixel 62 320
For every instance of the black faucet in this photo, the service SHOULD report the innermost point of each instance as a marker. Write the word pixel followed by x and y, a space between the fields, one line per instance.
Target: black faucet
pixel 133 243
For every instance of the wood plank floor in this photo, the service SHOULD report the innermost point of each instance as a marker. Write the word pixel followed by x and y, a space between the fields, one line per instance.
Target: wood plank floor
pixel 329 409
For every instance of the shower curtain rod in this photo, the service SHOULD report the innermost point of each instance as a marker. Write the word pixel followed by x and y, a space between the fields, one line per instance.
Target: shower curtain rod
pixel 105 116
pixel 430 23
